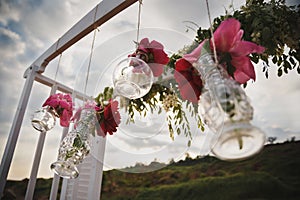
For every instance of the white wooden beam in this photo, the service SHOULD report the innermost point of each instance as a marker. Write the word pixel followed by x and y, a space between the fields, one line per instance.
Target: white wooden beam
pixel 104 11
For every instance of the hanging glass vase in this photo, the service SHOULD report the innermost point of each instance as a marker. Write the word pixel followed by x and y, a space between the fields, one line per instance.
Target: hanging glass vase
pixel 75 146
pixel 226 108
pixel 132 78
pixel 44 119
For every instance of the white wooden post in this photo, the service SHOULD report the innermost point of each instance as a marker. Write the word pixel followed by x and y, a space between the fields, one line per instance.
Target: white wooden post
pixel 56 178
pixel 37 159
pixel 88 184
pixel 15 128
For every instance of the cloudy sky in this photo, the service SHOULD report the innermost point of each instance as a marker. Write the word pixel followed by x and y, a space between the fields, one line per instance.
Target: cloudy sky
pixel 29 27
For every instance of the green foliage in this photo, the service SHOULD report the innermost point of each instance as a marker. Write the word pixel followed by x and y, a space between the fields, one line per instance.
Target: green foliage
pixel 255 185
pixel 160 98
pixel 271 24
pixel 105 96
pixel 275 26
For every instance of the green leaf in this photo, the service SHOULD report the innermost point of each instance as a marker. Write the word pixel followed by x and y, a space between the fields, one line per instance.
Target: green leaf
pixel 292 61
pixel 189 143
pixel 279 72
pixel 274 59
pixel 77 142
pixel 178 131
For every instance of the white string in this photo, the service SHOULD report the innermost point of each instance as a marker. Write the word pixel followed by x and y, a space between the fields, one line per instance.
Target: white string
pixel 211 31
pixel 90 61
pixel 91 53
pixel 58 65
pixel 139 22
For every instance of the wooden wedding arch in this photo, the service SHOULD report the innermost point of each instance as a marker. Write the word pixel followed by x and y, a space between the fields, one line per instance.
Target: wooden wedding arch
pixel 91 169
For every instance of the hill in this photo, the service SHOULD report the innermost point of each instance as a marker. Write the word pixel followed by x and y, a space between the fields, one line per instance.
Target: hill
pixel 272 174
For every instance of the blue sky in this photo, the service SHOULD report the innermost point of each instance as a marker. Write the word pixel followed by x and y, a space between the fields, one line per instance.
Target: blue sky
pixel 29 27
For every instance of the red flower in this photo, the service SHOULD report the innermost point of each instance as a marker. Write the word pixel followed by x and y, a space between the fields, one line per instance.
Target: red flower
pixel 109 119
pixel 63 105
pixel 153 54
pixel 188 79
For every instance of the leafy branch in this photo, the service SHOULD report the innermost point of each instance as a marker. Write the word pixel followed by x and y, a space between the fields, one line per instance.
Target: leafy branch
pixel 271 24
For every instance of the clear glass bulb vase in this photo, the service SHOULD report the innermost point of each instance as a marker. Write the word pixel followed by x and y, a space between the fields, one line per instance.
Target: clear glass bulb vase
pixel 226 109
pixel 44 119
pixel 132 78
pixel 75 146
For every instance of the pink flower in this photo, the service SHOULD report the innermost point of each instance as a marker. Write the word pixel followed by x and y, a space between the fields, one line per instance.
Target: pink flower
pixel 229 44
pixel 63 105
pixel 228 39
pixel 65 118
pixel 152 53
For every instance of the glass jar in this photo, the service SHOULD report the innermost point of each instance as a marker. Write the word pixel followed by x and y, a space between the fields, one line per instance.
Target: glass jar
pixel 132 78
pixel 75 146
pixel 227 110
pixel 44 119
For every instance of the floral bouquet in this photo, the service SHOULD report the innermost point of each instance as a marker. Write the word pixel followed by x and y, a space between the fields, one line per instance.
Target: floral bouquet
pixel 56 106
pixel 63 107
pixel 101 116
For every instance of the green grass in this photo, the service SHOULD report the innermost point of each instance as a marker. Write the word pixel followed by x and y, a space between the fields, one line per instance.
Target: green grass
pixel 272 174
pixel 255 185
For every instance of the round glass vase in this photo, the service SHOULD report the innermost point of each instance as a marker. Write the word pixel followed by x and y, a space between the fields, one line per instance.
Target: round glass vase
pixel 44 119
pixel 226 109
pixel 75 146
pixel 132 78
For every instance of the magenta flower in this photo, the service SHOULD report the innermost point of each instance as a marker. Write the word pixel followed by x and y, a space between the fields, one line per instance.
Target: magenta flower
pixel 189 81
pixel 228 39
pixel 63 105
pixel 109 119
pixel 229 44
pixel 152 53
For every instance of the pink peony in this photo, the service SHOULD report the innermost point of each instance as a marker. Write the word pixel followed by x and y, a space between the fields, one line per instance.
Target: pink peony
pixel 228 39
pixel 63 105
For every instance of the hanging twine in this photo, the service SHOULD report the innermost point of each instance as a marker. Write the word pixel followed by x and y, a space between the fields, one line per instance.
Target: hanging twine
pixel 90 61
pixel 91 54
pixel 211 31
pixel 58 66
pixel 138 23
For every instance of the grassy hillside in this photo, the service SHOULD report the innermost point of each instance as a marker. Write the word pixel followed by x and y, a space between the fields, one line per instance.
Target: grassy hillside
pixel 272 174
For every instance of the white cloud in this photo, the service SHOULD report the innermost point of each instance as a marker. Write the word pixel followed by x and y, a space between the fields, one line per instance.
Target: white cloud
pixel 8 12
pixel 11 44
